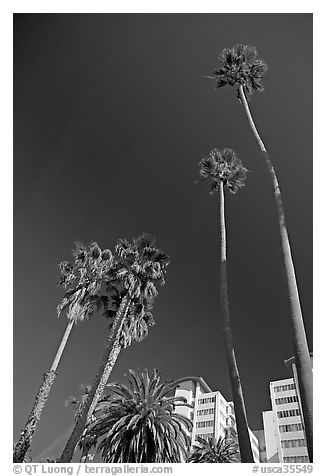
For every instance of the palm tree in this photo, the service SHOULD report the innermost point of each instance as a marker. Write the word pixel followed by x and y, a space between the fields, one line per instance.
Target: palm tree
pixel 240 66
pixel 224 168
pixel 135 328
pixel 139 266
pixel 137 423
pixel 223 450
pixel 79 302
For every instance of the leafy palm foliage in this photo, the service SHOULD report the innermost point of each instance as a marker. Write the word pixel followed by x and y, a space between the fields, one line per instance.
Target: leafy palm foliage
pixel 223 166
pixel 137 320
pixel 137 423
pixel 223 450
pixel 240 65
pixel 90 271
pixel 138 267
pixel 141 265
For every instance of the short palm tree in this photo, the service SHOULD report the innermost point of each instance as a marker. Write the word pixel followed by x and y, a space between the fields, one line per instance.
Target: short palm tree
pixel 139 267
pixel 223 450
pixel 137 423
pixel 240 66
pixel 82 280
pixel 225 169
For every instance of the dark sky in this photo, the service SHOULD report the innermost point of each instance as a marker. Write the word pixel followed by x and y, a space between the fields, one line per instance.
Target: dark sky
pixel 111 116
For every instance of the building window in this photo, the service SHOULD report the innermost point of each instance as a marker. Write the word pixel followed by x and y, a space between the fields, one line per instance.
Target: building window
pixel 229 410
pixel 202 401
pixel 284 400
pixel 284 388
pixel 292 427
pixel 206 411
pixel 293 443
pixel 204 424
pixel 296 459
pixel 288 413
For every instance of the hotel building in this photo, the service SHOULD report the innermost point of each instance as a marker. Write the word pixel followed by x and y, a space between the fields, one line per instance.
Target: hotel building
pixel 283 425
pixel 210 414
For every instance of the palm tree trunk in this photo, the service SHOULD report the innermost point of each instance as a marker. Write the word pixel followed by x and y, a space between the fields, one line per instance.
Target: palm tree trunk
pixel 27 433
pixel 299 340
pixel 238 400
pixel 98 385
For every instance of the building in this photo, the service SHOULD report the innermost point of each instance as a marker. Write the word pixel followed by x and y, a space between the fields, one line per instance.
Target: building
pixel 210 413
pixel 260 435
pixel 283 425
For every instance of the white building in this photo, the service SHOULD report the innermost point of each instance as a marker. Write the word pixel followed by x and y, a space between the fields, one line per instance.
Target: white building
pixel 210 414
pixel 284 425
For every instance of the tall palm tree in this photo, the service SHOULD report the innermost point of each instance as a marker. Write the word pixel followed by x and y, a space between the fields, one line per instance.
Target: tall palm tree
pixel 139 267
pixel 240 66
pixel 224 168
pixel 137 423
pixel 135 328
pixel 223 450
pixel 84 277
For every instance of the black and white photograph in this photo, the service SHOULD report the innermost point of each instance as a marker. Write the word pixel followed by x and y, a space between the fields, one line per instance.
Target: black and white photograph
pixel 162 240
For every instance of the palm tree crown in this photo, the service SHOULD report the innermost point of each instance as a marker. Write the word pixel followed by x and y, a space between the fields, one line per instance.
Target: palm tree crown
pixel 90 270
pixel 137 423
pixel 140 264
pixel 137 320
pixel 240 65
pixel 223 166
pixel 225 450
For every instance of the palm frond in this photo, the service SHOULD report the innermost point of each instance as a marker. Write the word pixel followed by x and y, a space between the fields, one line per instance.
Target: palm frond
pixel 240 65
pixel 87 277
pixel 223 167
pixel 210 450
pixel 137 425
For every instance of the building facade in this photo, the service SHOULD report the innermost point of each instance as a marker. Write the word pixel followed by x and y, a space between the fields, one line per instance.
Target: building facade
pixel 260 435
pixel 283 425
pixel 211 414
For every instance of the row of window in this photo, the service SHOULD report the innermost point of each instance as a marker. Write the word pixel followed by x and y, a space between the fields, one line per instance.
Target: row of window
pixel 281 401
pixel 284 388
pixel 292 427
pixel 296 459
pixel 206 411
pixel 204 424
pixel 288 413
pixel 201 401
pixel 293 443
